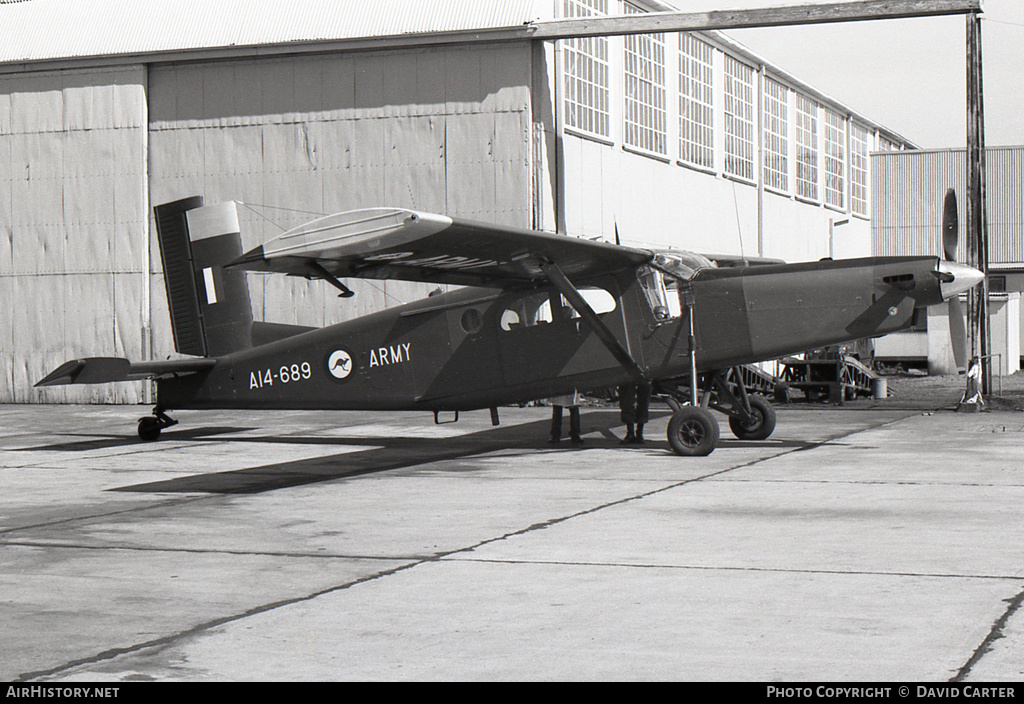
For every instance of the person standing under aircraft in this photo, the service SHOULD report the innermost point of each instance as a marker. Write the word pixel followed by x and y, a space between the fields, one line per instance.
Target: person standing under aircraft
pixel 572 402
pixel 634 404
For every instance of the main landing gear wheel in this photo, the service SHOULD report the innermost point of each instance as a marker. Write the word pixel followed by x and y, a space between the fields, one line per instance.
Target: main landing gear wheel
pixel 150 426
pixel 761 423
pixel 693 432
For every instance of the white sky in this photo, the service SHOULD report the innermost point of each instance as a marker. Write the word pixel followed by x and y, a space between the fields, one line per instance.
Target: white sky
pixel 908 75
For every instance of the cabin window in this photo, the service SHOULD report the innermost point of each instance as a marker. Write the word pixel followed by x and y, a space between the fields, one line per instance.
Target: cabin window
pixel 546 307
pixel 471 321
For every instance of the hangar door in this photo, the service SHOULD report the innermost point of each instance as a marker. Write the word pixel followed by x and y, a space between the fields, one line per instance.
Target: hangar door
pixel 72 227
pixel 441 129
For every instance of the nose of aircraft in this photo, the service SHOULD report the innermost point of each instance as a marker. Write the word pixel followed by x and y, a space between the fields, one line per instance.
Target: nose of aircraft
pixel 955 278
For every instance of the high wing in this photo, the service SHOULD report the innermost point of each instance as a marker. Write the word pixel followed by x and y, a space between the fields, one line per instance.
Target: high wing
pixel 394 243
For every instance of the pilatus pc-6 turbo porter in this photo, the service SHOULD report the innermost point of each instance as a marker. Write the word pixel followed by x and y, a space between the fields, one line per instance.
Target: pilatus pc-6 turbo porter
pixel 535 315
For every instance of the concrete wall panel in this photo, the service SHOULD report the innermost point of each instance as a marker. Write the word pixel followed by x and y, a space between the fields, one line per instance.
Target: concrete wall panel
pixel 414 174
pixel 6 206
pixel 337 87
pixel 35 345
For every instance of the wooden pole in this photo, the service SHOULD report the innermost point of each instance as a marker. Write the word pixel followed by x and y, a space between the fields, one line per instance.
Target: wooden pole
pixel 977 240
pixel 647 22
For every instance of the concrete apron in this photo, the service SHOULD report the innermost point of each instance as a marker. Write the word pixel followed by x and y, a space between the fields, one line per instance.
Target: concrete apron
pixel 871 545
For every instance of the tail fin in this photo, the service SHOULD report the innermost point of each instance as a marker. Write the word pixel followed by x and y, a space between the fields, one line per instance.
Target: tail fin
pixel 210 310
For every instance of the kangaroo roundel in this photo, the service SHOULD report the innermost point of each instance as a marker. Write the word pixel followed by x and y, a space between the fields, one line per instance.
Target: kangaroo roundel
pixel 339 364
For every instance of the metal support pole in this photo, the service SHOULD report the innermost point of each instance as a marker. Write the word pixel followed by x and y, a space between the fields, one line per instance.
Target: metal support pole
pixel 691 342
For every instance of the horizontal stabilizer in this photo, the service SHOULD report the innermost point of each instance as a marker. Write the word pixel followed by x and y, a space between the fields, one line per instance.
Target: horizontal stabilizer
pixel 102 370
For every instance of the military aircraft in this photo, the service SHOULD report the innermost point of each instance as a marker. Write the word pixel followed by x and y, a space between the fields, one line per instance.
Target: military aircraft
pixel 534 315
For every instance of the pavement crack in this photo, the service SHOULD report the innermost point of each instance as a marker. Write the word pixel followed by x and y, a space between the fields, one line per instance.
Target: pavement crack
pixel 995 634
pixel 743 568
pixel 675 485
pixel 215 551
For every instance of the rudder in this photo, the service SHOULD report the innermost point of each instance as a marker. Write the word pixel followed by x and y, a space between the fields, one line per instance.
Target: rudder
pixel 211 314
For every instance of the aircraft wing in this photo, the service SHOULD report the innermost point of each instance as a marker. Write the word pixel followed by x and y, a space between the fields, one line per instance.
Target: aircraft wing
pixel 393 243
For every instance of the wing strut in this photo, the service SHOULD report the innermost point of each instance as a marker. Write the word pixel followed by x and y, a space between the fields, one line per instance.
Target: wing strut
pixel 318 269
pixel 565 287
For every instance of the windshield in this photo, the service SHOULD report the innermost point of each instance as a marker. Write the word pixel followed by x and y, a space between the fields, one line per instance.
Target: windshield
pixel 683 264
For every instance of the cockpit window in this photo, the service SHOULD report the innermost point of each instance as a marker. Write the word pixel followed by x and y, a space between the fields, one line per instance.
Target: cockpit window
pixel 661 293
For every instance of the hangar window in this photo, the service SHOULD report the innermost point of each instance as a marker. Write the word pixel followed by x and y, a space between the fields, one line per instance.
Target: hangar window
pixel 739 119
pixel 806 148
pixel 858 169
pixel 835 158
pixel 776 135
pixel 645 111
pixel 586 74
pixel 546 307
pixel 887 145
pixel 696 101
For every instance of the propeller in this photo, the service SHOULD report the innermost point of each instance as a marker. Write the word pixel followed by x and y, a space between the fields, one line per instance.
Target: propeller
pixel 957 324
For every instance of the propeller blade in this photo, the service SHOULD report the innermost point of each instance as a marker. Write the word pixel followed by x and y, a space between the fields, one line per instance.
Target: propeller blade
pixel 950 226
pixel 958 333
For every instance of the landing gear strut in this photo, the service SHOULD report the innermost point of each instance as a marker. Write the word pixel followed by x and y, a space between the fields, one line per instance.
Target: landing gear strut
pixel 150 426
pixel 694 432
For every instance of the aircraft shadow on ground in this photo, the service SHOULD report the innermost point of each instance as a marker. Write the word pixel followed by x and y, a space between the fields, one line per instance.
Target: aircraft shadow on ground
pixel 108 442
pixel 382 453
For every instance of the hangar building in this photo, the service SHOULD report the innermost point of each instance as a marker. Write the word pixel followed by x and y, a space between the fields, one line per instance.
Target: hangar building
pixel 909 190
pixel 300 108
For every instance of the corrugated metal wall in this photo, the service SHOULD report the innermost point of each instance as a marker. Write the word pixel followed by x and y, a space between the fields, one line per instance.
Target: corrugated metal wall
pixel 908 194
pixel 72 225
pixel 1004 171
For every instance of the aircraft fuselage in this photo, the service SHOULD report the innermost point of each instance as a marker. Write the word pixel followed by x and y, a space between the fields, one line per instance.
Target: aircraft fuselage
pixel 478 348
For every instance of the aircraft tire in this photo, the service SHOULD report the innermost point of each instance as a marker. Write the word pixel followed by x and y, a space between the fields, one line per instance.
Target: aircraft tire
pixel 761 426
pixel 149 428
pixel 693 432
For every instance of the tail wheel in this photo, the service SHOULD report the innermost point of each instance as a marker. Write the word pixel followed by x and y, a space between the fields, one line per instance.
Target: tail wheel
pixel 149 428
pixel 693 432
pixel 761 424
